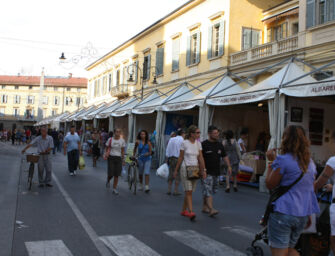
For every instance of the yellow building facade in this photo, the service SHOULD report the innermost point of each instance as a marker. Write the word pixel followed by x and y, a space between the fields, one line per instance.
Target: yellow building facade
pixel 21 97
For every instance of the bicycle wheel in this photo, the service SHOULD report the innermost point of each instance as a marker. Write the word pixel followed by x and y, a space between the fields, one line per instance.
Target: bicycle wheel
pixel 30 175
pixel 130 177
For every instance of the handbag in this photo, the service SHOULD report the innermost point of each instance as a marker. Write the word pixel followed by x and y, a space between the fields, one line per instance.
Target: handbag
pixel 193 172
pixel 275 194
pixel 108 150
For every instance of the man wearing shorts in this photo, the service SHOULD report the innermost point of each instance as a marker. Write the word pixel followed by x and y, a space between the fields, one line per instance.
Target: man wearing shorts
pixel 172 155
pixel 212 151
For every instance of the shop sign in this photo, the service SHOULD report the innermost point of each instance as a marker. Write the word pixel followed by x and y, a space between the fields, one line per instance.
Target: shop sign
pixel 120 113
pixel 242 98
pixel 312 90
pixel 179 106
pixel 147 110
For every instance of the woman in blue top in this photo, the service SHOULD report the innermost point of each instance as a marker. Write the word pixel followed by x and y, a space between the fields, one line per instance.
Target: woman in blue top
pixel 292 210
pixel 143 148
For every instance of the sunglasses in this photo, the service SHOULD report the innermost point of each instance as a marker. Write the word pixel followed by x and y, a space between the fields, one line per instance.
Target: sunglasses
pixel 196 132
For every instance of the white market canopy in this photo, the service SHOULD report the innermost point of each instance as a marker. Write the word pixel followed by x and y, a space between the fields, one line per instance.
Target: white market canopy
pixel 82 115
pixel 267 89
pixel 126 107
pixel 74 114
pixel 108 111
pixel 93 114
pixel 149 104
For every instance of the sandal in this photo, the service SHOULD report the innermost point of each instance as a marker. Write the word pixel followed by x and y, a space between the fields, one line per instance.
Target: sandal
pixel 213 213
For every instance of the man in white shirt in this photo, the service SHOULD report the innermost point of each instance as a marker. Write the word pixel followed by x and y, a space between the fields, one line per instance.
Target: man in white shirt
pixel 172 155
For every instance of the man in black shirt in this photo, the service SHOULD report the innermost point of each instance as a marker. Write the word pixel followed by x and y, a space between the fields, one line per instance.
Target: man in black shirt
pixel 212 151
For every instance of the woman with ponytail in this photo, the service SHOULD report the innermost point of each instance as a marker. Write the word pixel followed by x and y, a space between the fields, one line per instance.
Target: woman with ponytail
pixel 291 211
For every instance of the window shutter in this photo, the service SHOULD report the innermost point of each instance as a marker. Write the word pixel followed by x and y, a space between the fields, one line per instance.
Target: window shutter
pixel 255 38
pixel 159 61
pixel 148 66
pixel 175 54
pixel 310 13
pixel 33 99
pixel 198 47
pixel 210 42
pixel 136 71
pixel 188 51
pixel 221 37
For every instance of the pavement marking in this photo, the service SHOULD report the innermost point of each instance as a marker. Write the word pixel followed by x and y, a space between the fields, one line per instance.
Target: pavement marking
pixel 243 232
pixel 203 244
pixel 47 248
pixel 83 221
pixel 127 245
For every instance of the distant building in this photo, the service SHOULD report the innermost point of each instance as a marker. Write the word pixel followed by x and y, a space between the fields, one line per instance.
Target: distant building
pixel 20 98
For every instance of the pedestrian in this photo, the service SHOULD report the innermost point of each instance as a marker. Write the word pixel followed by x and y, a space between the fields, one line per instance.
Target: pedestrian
pixel 104 138
pixel 290 211
pixel 143 148
pixel 72 148
pixel 44 144
pixel 60 139
pixel 242 141
pixel 190 164
pixel 213 152
pixel 95 147
pixel 54 134
pixel 28 135
pixel 329 173
pixel 116 147
pixel 172 155
pixel 233 151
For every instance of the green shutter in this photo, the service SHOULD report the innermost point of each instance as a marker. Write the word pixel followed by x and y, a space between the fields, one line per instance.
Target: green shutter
pixel 198 47
pixel 148 66
pixel 175 54
pixel 210 42
pixel 221 37
pixel 310 13
pixel 188 51
pixel 159 61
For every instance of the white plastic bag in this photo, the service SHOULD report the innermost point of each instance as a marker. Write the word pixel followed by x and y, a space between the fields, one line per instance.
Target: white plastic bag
pixel 163 171
pixel 124 171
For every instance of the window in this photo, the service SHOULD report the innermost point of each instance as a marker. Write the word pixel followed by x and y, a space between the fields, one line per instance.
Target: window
pixel 45 100
pixel 30 99
pixel 55 88
pixel 54 112
pixel 29 113
pixel 68 89
pixel 117 77
pixel 193 49
pixel 16 99
pixel 277 33
pixel 104 85
pixel 319 12
pixel 78 89
pixel 160 60
pixel 67 101
pixel 16 87
pixel 175 53
pixel 295 28
pixel 250 38
pixel 56 100
pixel 4 98
pixel 78 101
pixel 44 113
pixel 110 82
pixel 16 112
pixel 2 111
pixel 3 86
pixel 146 67
pixel 215 40
pixel 323 75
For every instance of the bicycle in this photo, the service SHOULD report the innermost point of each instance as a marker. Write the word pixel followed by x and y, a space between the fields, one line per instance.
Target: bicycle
pixel 133 174
pixel 32 159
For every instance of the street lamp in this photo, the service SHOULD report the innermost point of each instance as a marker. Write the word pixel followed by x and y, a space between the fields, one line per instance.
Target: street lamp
pixel 62 57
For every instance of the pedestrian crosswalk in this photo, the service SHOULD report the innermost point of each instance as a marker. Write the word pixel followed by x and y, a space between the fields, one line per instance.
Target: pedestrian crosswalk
pixel 129 245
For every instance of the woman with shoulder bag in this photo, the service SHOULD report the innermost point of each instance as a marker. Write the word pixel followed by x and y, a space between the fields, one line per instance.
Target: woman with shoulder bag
pixel 290 212
pixel 115 150
pixel 232 149
pixel 192 166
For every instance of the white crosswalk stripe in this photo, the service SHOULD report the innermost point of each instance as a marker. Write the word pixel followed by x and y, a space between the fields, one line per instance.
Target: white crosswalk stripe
pixel 203 244
pixel 127 245
pixel 47 248
pixel 241 231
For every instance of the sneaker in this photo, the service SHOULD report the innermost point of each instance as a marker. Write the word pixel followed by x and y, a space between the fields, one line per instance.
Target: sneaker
pixel 140 188
pixel 147 189
pixel 74 173
pixel 71 174
pixel 49 185
pixel 235 189
pixel 115 192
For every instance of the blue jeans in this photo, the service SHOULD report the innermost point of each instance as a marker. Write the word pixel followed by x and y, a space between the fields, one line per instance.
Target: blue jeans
pixel 284 230
pixel 144 167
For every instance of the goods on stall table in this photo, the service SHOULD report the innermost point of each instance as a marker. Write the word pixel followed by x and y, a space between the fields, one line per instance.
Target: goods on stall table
pixel 255 161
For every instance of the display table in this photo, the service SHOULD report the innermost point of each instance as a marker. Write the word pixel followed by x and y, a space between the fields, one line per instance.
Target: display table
pixel 257 165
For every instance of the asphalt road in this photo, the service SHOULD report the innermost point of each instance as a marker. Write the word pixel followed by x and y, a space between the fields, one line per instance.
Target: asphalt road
pixel 79 216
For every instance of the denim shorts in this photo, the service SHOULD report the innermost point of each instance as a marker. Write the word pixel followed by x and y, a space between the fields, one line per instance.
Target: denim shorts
pixel 284 230
pixel 144 167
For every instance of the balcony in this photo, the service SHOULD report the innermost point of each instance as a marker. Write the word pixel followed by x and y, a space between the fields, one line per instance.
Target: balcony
pixel 265 50
pixel 120 91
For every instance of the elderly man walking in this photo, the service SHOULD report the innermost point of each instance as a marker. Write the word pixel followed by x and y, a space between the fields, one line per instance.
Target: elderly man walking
pixel 72 148
pixel 44 144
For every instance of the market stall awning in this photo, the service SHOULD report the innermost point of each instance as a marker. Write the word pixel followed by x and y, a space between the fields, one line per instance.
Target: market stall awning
pixel 99 109
pixel 149 104
pixel 314 88
pixel 108 111
pixel 84 113
pixel 267 88
pixel 74 114
pixel 126 107
pixel 179 100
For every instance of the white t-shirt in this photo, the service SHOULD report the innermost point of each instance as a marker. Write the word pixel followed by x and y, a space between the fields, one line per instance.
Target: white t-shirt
pixel 331 164
pixel 116 146
pixel 191 152
pixel 239 142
